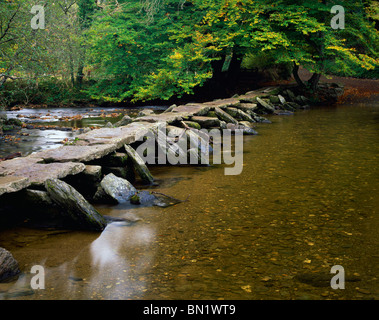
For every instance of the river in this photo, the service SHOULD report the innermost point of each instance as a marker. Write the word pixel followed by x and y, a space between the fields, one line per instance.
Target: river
pixel 305 202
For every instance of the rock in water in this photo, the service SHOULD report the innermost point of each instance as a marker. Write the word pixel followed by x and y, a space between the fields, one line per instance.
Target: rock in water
pixel 281 99
pixel 8 265
pixel 139 165
pixel 123 122
pixel 225 116
pixel 267 107
pixel 147 198
pixel 145 112
pixel 115 190
pixel 74 206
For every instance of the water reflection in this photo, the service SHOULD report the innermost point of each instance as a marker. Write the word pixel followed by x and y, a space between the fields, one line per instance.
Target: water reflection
pixel 35 140
pixel 115 259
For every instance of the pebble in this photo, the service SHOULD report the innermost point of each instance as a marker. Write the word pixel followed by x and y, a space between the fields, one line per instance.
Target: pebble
pixel 364 291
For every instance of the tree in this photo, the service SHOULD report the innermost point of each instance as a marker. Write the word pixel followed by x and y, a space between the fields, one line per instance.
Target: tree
pixel 309 41
pixel 85 12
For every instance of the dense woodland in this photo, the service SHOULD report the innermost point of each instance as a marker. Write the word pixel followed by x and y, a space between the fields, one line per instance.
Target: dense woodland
pixel 142 50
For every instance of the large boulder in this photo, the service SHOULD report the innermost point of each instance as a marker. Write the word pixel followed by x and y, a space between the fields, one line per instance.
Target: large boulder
pixel 74 206
pixel 114 189
pixel 8 265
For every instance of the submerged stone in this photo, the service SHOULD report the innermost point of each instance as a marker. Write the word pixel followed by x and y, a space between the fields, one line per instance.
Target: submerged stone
pixel 147 198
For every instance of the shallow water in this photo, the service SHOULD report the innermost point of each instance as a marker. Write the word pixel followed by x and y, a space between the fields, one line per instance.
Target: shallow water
pixel 55 122
pixel 305 201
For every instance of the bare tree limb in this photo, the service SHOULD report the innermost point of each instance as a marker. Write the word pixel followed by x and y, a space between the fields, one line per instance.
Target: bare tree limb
pixel 4 33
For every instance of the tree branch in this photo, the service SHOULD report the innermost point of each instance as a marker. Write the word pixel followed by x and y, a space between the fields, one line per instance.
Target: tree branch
pixel 9 23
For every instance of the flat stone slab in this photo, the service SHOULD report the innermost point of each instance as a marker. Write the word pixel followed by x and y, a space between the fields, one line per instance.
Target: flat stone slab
pixel 11 184
pixel 177 114
pixel 75 153
pixel 115 136
pixel 168 118
pixel 10 167
pixel 192 109
pixel 38 173
pixel 223 103
pixel 262 92
pixel 247 107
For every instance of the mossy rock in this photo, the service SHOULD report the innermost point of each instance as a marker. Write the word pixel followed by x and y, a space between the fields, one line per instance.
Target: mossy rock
pixel 135 199
pixel 193 124
pixel 212 114
pixel 14 122
pixel 7 128
pixel 274 99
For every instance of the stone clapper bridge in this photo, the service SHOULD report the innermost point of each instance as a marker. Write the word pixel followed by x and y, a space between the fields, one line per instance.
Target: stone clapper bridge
pixel 61 183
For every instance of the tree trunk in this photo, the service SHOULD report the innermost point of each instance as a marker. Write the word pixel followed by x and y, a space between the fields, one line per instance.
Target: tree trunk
pixel 216 83
pixel 295 72
pixel 232 75
pixel 80 73
pixel 314 80
pixel 80 76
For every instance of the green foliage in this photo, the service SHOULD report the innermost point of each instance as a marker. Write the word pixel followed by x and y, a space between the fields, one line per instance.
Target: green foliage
pixel 175 51
pixel 45 91
pixel 157 49
pixel 135 56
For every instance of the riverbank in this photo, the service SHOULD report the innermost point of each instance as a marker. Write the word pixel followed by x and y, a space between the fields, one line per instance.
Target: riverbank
pixel 355 89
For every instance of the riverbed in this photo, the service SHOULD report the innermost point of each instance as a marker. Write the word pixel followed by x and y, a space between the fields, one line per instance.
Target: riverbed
pixel 305 202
